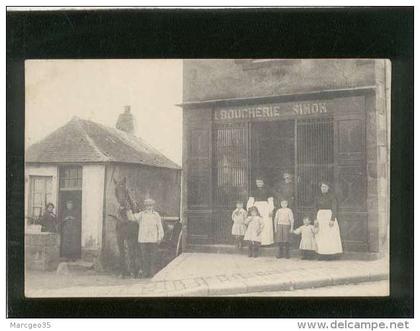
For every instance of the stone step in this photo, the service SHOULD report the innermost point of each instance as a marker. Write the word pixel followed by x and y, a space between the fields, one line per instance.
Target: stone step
pixel 271 251
pixel 76 267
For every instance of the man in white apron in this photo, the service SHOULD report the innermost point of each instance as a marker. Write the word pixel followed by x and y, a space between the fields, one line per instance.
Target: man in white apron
pixel 261 199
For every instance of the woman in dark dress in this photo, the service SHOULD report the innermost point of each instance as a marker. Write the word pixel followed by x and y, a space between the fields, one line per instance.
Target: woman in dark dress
pixel 70 243
pixel 48 221
pixel 328 238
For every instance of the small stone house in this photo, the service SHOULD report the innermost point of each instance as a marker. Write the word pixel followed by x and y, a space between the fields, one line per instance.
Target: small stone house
pixel 82 161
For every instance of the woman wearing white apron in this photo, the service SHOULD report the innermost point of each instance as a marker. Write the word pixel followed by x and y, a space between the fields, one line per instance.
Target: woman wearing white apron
pixel 328 238
pixel 264 202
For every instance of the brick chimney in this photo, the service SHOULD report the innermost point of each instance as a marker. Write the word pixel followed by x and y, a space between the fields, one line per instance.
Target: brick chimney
pixel 125 121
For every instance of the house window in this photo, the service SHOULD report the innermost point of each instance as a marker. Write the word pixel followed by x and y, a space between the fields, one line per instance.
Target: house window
pixel 40 194
pixel 71 178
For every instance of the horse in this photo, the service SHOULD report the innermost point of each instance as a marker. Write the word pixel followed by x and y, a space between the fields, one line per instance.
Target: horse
pixel 126 230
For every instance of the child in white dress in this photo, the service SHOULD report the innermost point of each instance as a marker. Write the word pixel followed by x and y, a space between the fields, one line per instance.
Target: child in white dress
pixel 239 216
pixel 307 243
pixel 253 232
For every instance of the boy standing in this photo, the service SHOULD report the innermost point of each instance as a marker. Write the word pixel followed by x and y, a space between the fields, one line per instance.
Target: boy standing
pixel 283 223
pixel 150 235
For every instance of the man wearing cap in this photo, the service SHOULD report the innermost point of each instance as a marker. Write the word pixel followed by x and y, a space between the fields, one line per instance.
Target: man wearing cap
pixel 284 190
pixel 150 235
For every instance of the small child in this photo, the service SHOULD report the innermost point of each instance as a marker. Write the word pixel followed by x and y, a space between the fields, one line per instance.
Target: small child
pixel 283 225
pixel 239 216
pixel 253 232
pixel 307 243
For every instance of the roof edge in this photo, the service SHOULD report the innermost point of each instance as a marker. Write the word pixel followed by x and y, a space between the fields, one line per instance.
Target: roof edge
pixel 176 167
pixel 279 97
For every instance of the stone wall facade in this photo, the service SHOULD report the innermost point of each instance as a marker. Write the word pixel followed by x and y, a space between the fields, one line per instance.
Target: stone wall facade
pixel 210 82
pixel 226 79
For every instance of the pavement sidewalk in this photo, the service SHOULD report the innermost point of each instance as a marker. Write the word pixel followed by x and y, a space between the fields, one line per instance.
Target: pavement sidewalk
pixel 203 274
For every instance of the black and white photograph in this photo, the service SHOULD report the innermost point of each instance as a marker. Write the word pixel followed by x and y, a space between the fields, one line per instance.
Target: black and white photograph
pixel 210 162
pixel 207 177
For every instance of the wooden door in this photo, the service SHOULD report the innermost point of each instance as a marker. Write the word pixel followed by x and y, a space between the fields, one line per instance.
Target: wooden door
pixel 71 232
pixel 350 178
pixel 70 186
pixel 197 172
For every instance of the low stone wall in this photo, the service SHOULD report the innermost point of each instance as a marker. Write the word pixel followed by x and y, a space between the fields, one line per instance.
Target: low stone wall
pixel 42 251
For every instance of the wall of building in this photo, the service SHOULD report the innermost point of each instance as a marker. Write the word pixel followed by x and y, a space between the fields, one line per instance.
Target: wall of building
pixel 378 157
pixel 161 184
pixel 92 204
pixel 220 79
pixel 206 80
pixel 41 170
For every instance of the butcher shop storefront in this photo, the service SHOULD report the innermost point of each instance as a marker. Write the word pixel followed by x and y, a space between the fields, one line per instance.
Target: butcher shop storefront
pixel 333 135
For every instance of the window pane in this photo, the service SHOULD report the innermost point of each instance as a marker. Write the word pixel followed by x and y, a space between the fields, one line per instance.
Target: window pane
pixel 37 199
pixel 41 190
pixel 48 198
pixel 38 185
pixel 48 185
pixel 36 212
pixel 231 165
pixel 71 177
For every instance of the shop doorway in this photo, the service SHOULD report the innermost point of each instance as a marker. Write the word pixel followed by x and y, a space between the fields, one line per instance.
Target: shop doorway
pixel 303 148
pixel 314 160
pixel 272 151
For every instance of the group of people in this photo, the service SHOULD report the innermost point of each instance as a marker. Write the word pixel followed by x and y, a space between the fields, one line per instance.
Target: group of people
pixel 269 219
pixel 148 233
pixel 69 228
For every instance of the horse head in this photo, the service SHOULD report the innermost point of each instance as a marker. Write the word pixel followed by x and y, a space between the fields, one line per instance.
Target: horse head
pixel 121 192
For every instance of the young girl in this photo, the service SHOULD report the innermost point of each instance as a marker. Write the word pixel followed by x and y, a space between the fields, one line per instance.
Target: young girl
pixel 307 243
pixel 283 224
pixel 239 216
pixel 253 232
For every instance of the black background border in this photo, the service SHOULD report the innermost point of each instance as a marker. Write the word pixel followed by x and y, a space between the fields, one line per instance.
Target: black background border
pixel 347 32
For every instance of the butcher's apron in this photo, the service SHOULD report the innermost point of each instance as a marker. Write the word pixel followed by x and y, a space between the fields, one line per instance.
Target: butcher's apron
pixel 328 238
pixel 267 231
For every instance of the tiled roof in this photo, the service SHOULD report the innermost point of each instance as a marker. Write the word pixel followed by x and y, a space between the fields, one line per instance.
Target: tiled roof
pixel 82 141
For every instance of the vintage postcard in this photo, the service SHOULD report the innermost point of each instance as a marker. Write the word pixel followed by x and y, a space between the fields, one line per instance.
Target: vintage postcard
pixel 204 177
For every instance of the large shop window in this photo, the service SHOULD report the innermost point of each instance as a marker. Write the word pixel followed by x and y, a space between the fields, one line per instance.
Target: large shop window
pixel 231 164
pixel 315 157
pixel 40 194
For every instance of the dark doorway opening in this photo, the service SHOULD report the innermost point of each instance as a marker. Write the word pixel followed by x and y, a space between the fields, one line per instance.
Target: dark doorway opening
pixel 70 217
pixel 314 160
pixel 272 151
